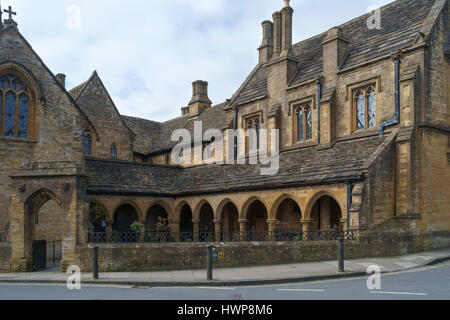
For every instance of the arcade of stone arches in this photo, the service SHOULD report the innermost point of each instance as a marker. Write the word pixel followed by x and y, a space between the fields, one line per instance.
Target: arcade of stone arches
pixel 321 212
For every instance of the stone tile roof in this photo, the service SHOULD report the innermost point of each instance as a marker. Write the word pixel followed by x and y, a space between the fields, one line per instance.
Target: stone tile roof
pixel 154 137
pixel 146 132
pixel 75 92
pixel 297 167
pixel 401 22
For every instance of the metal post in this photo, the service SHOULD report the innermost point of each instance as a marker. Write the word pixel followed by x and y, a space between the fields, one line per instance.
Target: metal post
pixel 341 253
pixel 95 261
pixel 53 257
pixel 209 263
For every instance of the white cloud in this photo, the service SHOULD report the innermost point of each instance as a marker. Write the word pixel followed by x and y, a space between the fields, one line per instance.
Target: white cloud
pixel 148 52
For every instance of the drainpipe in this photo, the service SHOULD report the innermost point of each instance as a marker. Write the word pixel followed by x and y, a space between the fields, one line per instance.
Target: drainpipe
pixel 349 200
pixel 235 128
pixel 319 94
pixel 396 120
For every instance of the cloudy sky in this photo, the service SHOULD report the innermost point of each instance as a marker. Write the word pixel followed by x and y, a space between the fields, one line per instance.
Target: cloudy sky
pixel 148 52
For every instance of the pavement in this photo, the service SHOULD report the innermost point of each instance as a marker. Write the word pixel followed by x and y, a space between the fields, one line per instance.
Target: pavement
pixel 244 276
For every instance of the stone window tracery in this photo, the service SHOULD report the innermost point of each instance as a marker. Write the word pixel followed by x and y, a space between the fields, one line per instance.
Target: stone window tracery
pixel 365 108
pixel 303 122
pixel 15 107
pixel 113 151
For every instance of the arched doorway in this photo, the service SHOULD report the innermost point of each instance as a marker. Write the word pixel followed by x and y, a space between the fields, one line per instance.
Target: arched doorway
pixel 186 225
pixel 326 214
pixel 124 217
pixel 206 224
pixel 230 221
pixel 257 220
pixel 156 224
pixel 44 230
pixel 97 223
pixel 156 219
pixel 288 215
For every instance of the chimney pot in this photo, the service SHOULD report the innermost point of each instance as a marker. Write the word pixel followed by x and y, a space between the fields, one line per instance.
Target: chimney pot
pixel 200 98
pixel 61 77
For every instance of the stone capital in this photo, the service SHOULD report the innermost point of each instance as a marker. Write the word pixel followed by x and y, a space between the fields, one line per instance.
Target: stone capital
pixel 217 221
pixel 307 221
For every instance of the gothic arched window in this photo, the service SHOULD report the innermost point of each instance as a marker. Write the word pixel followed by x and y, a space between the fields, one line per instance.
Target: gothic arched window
pixel 113 151
pixel 87 143
pixel 15 107
pixel 365 108
pixel 254 126
pixel 303 122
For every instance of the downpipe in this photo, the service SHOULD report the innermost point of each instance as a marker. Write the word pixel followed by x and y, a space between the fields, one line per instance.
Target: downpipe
pixel 396 120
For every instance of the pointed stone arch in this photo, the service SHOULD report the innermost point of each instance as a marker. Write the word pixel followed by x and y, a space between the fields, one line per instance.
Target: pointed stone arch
pixel 247 203
pixel 323 217
pixel 286 213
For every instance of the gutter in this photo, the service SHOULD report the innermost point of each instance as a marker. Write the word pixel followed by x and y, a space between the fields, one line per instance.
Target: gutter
pixel 319 96
pixel 396 120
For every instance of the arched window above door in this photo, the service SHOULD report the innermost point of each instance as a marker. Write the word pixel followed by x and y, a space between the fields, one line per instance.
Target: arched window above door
pixel 16 108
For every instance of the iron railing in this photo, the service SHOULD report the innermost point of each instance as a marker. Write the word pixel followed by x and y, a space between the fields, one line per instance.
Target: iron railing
pixel 237 236
pixel 3 237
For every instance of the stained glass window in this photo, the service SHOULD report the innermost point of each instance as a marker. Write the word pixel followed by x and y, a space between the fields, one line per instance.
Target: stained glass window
pixel 299 125
pixel 372 109
pixel 22 125
pixel 360 112
pixel 113 151
pixel 250 138
pixel 14 107
pixel 10 114
pixel 308 123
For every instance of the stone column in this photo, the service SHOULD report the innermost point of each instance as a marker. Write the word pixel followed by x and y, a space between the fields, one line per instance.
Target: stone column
pixel 196 223
pixel 272 223
pixel 174 229
pixel 242 228
pixel 109 229
pixel 306 227
pixel 218 229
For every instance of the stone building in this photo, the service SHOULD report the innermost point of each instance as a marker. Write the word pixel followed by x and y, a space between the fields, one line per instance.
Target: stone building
pixel 363 121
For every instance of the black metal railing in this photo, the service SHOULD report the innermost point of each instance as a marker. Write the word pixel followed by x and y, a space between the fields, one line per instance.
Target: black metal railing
pixel 236 236
pixel 3 237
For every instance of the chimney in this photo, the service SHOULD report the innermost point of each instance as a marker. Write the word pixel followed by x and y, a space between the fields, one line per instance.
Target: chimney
pixel 286 27
pixel 200 100
pixel 277 32
pixel 266 48
pixel 335 48
pixel 61 77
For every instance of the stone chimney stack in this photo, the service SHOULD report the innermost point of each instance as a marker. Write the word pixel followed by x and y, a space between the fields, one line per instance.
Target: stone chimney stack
pixel 200 100
pixel 335 48
pixel 286 27
pixel 277 32
pixel 266 48
pixel 61 77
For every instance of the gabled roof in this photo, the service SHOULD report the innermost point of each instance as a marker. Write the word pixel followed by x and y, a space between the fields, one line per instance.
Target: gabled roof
pixel 401 22
pixel 62 88
pixel 154 137
pixel 78 91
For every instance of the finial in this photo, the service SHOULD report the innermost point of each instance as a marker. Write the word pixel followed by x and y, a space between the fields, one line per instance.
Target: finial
pixel 286 3
pixel 10 21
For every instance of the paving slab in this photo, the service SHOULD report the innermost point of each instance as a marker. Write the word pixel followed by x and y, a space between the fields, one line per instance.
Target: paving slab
pixel 243 275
